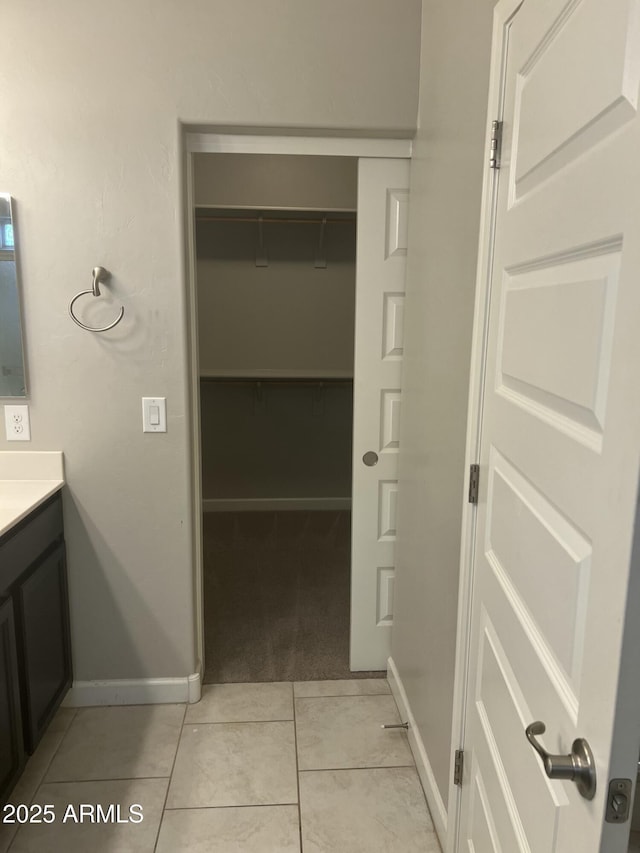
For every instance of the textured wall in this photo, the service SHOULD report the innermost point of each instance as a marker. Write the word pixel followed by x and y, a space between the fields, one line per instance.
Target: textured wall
pixel 446 182
pixel 287 316
pixel 93 95
pixel 276 441
pixel 276 180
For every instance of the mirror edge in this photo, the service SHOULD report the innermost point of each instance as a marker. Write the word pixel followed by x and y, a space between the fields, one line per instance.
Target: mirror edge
pixel 21 313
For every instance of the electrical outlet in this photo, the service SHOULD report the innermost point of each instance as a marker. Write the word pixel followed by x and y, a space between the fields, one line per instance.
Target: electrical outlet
pixel 16 422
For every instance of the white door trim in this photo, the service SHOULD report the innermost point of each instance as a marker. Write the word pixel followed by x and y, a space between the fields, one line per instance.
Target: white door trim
pixel 504 12
pixel 321 146
pixel 253 142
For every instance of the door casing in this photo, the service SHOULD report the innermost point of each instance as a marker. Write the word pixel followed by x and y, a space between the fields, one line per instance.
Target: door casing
pixel 503 13
pixel 251 142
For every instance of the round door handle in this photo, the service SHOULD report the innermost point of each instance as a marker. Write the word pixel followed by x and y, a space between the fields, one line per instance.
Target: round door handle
pixel 578 766
pixel 370 458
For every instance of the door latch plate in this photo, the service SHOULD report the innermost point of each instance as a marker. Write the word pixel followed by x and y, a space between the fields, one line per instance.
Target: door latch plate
pixel 618 801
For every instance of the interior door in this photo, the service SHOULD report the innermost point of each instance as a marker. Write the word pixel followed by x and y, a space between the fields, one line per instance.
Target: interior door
pixel 383 198
pixel 560 434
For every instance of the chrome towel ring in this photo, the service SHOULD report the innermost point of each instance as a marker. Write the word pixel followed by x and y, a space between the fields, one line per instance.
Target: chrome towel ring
pixel 99 276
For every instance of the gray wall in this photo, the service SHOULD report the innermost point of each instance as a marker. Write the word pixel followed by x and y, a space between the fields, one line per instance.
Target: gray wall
pixel 275 180
pixel 93 95
pixel 276 441
pixel 287 316
pixel 446 177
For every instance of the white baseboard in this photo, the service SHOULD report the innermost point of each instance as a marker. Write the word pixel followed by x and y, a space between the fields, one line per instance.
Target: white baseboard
pixel 142 691
pixel 253 504
pixel 432 793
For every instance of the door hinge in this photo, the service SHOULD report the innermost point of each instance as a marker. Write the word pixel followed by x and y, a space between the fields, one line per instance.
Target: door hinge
pixel 495 144
pixel 474 483
pixel 458 767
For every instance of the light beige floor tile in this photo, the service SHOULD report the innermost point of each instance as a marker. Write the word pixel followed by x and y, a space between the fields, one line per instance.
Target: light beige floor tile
pixel 344 687
pixel 36 767
pixel 118 743
pixel 234 764
pixel 238 703
pixel 109 837
pixel 263 829
pixel 62 720
pixel 33 773
pixel 7 833
pixel 345 732
pixel 365 811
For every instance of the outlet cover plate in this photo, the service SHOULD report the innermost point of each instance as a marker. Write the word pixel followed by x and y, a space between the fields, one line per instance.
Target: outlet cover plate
pixel 16 423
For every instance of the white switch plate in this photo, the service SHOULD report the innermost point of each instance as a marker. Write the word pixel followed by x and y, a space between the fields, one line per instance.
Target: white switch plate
pixel 16 423
pixel 154 414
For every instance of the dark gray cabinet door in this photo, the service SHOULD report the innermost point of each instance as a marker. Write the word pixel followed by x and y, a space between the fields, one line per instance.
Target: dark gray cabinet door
pixel 11 745
pixel 43 642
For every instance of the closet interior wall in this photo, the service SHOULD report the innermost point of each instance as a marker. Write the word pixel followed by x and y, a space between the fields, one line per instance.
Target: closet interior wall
pixel 275 238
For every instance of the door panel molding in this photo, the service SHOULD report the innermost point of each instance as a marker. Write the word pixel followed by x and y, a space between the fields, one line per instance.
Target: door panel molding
pixel 383 193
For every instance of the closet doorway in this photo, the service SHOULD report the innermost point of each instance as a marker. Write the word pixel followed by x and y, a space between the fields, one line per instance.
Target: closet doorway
pixel 298 497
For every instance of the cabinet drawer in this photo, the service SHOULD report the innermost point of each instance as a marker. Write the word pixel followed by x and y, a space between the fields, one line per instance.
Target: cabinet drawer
pixel 28 539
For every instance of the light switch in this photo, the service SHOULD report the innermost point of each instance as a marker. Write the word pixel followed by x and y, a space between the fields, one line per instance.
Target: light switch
pixel 154 414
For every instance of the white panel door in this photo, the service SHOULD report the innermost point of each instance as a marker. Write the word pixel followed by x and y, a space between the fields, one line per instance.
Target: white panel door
pixel 383 200
pixel 560 431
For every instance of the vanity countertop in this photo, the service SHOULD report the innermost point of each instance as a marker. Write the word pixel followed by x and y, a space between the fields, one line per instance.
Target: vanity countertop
pixel 27 479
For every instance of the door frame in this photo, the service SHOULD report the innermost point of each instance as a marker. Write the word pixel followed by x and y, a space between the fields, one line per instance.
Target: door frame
pixel 504 13
pixel 253 141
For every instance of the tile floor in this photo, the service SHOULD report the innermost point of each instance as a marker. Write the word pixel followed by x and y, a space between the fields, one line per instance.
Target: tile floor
pixel 252 768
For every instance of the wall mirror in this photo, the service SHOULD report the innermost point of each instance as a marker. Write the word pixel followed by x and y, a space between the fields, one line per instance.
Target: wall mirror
pixel 12 372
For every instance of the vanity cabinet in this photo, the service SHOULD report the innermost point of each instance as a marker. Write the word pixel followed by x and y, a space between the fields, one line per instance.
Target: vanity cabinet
pixel 11 742
pixel 42 624
pixel 33 587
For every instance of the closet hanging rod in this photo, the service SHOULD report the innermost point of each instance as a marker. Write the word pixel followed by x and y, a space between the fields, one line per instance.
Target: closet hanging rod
pixel 201 218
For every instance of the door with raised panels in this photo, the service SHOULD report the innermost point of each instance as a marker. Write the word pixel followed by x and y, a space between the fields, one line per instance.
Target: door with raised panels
pixel 560 433
pixel 383 198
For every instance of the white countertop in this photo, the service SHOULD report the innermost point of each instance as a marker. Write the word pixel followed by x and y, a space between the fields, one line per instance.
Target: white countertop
pixel 27 479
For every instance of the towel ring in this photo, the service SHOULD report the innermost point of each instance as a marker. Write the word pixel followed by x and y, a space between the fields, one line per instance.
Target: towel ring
pixel 99 276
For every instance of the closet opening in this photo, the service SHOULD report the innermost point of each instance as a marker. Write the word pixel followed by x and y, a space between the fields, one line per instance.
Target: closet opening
pixel 275 240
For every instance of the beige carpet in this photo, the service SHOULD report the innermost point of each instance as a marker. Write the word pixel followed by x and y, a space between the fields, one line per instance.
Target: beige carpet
pixel 276 594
